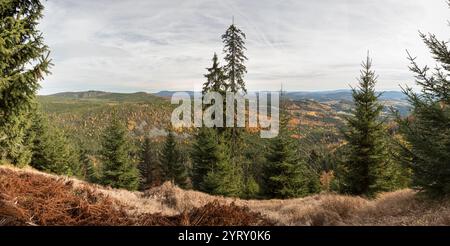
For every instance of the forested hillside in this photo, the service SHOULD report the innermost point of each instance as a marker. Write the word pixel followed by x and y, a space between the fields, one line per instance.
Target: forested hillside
pixel 84 115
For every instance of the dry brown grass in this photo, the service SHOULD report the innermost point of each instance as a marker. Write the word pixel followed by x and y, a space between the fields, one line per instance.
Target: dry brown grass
pixel 170 205
pixel 31 198
pixel 403 207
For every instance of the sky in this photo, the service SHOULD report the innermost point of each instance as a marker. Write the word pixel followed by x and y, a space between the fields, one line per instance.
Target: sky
pixel 304 45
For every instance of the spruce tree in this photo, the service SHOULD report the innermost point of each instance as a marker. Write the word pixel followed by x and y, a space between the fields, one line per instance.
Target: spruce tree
pixel 222 178
pixel 213 170
pixel 427 130
pixel 52 151
pixel 216 82
pixel 235 70
pixel 150 166
pixel 252 164
pixel 215 78
pixel 368 165
pixel 205 153
pixel 89 169
pixel 23 63
pixel 204 156
pixel 234 47
pixel 285 174
pixel 119 168
pixel 172 162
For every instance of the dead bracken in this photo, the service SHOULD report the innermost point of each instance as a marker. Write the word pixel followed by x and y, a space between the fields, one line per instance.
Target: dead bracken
pixel 28 197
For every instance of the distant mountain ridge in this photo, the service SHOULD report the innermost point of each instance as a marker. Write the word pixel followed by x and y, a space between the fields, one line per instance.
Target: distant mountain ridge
pixel 319 96
pixel 345 95
pixel 110 96
pixel 81 94
pixel 170 93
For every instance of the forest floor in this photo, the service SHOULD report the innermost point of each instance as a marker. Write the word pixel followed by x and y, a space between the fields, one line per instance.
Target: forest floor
pixel 29 197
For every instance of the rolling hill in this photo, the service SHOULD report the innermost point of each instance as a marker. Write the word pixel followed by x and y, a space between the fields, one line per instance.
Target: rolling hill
pixel 84 115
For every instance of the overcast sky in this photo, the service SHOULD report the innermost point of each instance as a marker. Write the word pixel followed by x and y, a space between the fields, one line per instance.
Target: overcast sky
pixel 153 45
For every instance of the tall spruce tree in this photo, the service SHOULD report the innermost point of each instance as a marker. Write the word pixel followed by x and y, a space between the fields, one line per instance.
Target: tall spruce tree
pixel 119 167
pixel 235 70
pixel 234 47
pixel 23 63
pixel 427 130
pixel 173 162
pixel 214 165
pixel 368 165
pixel 285 174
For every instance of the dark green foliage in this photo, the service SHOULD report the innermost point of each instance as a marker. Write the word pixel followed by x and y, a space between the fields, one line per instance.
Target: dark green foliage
pixel 150 167
pixel 119 169
pixel 22 152
pixel 252 161
pixel 254 154
pixel 23 63
pixel 212 170
pixel 146 161
pixel 250 186
pixel 52 151
pixel 203 155
pixel 427 131
pixel 173 162
pixel 323 159
pixel 90 171
pixel 215 78
pixel 369 168
pixel 235 70
pixel 91 174
pixel 216 82
pixel 218 164
pixel 285 174
pixel 223 178
pixel 234 47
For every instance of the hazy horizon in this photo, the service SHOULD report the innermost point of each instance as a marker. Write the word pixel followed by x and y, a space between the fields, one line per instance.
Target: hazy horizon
pixel 156 92
pixel 129 46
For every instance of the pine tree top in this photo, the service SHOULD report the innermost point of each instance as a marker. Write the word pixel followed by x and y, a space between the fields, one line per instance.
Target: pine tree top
pixel 215 78
pixel 234 47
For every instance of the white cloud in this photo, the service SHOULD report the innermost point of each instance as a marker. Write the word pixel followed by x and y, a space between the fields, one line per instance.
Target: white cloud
pixel 165 45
